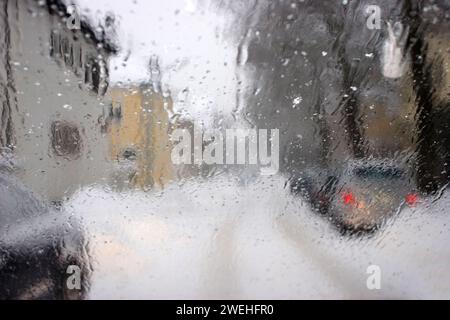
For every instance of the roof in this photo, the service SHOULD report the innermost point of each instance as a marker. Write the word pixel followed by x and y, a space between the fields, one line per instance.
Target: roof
pixel 57 7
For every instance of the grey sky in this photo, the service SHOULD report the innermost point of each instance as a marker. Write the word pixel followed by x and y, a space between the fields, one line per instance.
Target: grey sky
pixel 197 61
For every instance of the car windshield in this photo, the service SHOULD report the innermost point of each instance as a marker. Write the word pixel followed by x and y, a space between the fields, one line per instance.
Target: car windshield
pixel 379 172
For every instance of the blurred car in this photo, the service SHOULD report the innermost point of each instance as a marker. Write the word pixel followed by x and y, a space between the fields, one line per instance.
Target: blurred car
pixel 37 245
pixel 370 192
pixel 363 196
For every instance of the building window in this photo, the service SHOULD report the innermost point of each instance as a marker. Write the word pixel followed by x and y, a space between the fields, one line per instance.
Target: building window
pixel 65 140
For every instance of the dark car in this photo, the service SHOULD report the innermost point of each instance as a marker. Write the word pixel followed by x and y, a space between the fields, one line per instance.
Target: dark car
pixel 38 246
pixel 371 191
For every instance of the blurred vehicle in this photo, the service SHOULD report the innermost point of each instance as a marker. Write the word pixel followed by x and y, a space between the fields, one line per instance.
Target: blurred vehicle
pixel 37 245
pixel 364 195
pixel 370 192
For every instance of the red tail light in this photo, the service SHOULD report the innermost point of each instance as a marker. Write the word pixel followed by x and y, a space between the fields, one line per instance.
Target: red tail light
pixel 348 198
pixel 411 199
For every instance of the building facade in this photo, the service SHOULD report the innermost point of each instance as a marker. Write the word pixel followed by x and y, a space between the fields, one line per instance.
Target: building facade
pixel 54 81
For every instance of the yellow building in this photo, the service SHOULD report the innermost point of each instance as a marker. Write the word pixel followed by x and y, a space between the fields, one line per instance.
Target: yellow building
pixel 139 131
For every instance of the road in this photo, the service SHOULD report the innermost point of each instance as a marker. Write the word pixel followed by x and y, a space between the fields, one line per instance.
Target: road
pixel 221 238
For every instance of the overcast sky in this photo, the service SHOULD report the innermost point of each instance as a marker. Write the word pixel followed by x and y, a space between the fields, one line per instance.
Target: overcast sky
pixel 197 60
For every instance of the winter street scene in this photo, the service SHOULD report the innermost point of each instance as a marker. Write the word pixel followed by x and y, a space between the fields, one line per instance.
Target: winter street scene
pixel 224 150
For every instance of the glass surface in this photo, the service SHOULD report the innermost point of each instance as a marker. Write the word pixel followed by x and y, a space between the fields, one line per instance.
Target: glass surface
pixel 243 149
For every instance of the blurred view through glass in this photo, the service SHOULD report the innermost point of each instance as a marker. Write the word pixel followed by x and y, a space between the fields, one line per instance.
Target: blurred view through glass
pixel 120 174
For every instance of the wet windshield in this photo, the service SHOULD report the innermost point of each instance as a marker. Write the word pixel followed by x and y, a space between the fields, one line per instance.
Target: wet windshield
pixel 207 149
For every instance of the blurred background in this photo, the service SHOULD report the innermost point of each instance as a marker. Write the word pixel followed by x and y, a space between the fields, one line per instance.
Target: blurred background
pixel 91 94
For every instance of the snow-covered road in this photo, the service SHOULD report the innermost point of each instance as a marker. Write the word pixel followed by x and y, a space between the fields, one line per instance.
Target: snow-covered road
pixel 222 239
